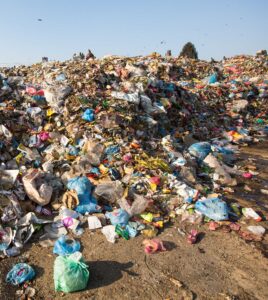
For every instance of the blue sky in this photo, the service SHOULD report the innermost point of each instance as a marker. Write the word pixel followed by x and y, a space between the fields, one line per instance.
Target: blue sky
pixel 124 27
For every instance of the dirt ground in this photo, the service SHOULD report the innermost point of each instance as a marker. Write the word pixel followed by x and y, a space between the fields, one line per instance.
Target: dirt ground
pixel 220 266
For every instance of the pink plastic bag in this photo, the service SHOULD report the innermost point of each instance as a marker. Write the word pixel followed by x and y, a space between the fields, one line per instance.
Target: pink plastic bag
pixel 153 246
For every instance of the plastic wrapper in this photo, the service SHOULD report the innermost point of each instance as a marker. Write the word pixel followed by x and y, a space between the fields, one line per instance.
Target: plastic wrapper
pixel 88 115
pixel 220 173
pixel 132 98
pixel 20 273
pixel 110 191
pixel 109 232
pixel 65 246
pixel 83 188
pixel 118 216
pixel 137 207
pixel 200 150
pixel 39 194
pixel 213 208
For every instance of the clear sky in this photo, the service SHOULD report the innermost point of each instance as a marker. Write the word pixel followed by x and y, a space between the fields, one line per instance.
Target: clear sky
pixel 129 27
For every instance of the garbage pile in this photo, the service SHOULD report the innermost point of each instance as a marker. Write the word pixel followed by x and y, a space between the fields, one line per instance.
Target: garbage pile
pixel 124 145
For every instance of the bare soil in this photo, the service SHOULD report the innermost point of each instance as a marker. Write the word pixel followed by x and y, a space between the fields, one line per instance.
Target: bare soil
pixel 220 266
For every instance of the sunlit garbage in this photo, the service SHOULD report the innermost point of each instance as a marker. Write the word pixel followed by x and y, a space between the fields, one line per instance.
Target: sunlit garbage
pixel 6 235
pixel 213 78
pixel 138 206
pixel 66 246
pixel 152 246
pixel 118 217
pixel 109 233
pixel 192 236
pixel 40 194
pixel 250 213
pixel 257 230
pixel 20 273
pixel 55 94
pixel 213 208
pixel 71 273
pixel 221 173
pixel 88 115
pixel 83 188
pixel 138 138
pixel 200 150
pixel 94 222
pixel 110 191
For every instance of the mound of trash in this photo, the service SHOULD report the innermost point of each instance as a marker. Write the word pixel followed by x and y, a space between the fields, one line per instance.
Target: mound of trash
pixel 124 145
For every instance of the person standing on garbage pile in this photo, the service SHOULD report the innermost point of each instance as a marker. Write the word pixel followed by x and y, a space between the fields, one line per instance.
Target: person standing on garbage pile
pixel 168 53
pixel 218 72
pixel 90 55
pixel 81 55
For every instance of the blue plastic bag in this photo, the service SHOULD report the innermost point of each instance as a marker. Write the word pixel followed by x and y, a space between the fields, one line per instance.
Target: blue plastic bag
pixel 200 150
pixel 112 150
pixel 20 273
pixel 90 208
pixel 39 98
pixel 213 78
pixel 222 150
pixel 132 230
pixel 213 208
pixel 88 115
pixel 61 77
pixel 83 188
pixel 65 246
pixel 72 150
pixel 118 217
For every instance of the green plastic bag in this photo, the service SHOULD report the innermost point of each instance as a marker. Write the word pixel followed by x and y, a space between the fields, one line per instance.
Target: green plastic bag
pixel 70 273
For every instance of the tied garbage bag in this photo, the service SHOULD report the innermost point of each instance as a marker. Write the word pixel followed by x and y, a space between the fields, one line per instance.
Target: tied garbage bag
pixel 83 188
pixel 65 246
pixel 20 273
pixel 118 217
pixel 200 150
pixel 213 208
pixel 70 273
pixel 88 115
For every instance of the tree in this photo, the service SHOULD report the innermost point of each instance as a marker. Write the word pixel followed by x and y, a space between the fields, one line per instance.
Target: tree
pixel 189 51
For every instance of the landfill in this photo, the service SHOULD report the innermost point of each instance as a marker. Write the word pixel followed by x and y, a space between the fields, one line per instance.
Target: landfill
pixel 125 145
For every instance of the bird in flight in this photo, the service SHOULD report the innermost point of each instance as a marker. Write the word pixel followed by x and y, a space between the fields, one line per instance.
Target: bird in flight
pixel 40 20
